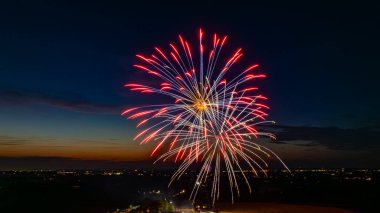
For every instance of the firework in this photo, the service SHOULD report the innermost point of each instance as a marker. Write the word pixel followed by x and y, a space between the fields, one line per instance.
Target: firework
pixel 211 120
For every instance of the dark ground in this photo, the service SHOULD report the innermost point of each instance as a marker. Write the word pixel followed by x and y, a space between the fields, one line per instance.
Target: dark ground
pixel 102 191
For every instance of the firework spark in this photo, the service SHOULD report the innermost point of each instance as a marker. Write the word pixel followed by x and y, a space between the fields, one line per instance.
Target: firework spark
pixel 212 120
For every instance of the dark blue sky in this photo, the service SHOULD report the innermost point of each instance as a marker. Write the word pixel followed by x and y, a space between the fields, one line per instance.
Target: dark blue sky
pixel 63 66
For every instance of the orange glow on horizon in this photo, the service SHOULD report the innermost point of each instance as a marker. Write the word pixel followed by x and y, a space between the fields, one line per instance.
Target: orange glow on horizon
pixel 128 151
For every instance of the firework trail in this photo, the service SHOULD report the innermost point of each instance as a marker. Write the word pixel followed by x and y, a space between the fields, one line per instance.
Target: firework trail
pixel 212 120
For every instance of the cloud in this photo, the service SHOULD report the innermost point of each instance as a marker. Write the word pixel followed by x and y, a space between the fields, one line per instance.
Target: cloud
pixel 333 138
pixel 12 141
pixel 72 102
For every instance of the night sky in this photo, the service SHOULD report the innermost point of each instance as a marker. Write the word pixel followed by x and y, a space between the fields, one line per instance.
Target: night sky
pixel 63 67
